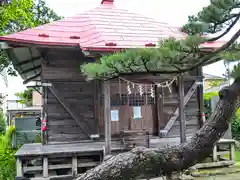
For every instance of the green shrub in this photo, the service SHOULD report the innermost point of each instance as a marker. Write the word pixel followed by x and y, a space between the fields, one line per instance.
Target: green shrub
pixel 25 97
pixel 2 123
pixel 236 123
pixel 207 103
pixel 207 110
pixel 7 156
pixel 209 95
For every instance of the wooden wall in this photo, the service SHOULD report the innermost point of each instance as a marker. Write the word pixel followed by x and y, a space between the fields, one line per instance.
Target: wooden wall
pixel 192 109
pixel 61 67
pixel 63 71
pixel 125 109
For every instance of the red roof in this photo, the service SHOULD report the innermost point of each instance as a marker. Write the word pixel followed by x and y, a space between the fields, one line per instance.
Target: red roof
pixel 102 28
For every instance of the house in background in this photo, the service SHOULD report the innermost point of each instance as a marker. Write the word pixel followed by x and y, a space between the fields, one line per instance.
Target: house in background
pixel 36 99
pixel 213 83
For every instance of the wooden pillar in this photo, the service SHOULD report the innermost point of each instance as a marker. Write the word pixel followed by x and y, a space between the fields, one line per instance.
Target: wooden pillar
pixel 97 105
pixel 181 110
pixel 19 167
pixel 160 108
pixel 200 97
pixel 232 151
pixel 74 166
pixel 44 110
pixel 107 117
pixel 156 124
pixel 214 156
pixel 45 167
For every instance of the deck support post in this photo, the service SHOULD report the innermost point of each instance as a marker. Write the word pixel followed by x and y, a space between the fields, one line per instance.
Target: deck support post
pixel 19 167
pixel 74 166
pixel 45 166
pixel 107 117
pixel 214 156
pixel 181 109
pixel 232 151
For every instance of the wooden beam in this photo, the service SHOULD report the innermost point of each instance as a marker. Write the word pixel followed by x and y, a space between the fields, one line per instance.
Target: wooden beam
pixel 31 78
pixel 28 61
pixel 107 117
pixel 30 69
pixel 68 108
pixel 182 119
pixel 150 79
pixel 4 45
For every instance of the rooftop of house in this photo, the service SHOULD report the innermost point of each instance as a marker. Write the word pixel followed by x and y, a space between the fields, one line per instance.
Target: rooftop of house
pixel 105 28
pixel 212 77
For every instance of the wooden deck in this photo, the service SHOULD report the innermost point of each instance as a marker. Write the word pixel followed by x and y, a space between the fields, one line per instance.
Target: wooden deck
pixel 90 147
pixel 45 162
pixel 36 161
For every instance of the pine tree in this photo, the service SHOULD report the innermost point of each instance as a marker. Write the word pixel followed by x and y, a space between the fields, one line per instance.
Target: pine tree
pixel 175 56
pixel 178 56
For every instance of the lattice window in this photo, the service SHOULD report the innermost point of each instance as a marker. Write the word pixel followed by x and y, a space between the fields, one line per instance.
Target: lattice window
pixel 136 100
pixel 135 94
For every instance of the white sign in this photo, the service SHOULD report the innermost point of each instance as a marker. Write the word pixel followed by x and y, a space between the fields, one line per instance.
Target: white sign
pixel 114 115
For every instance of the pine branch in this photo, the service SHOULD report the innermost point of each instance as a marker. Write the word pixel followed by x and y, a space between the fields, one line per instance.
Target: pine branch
pixel 227 30
pixel 205 59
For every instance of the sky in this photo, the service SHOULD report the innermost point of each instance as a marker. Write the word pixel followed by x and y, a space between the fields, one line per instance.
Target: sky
pixel 175 12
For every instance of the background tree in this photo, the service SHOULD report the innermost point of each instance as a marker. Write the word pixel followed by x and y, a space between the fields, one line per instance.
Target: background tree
pixel 2 123
pixel 215 83
pixel 18 15
pixel 25 97
pixel 175 57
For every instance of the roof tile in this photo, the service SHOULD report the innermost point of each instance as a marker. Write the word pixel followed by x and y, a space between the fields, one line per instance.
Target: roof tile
pixel 99 26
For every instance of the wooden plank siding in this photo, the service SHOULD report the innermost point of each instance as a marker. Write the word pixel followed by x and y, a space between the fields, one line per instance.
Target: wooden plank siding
pixel 63 71
pixel 191 109
pixel 86 100
pixel 125 111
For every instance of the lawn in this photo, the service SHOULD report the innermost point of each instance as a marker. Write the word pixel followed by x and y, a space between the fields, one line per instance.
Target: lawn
pixel 226 173
pixel 237 157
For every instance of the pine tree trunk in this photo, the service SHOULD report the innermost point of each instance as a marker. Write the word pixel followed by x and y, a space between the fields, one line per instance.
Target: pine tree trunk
pixel 143 162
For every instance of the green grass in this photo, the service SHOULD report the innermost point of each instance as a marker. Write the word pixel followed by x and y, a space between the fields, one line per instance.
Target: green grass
pixel 237 157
